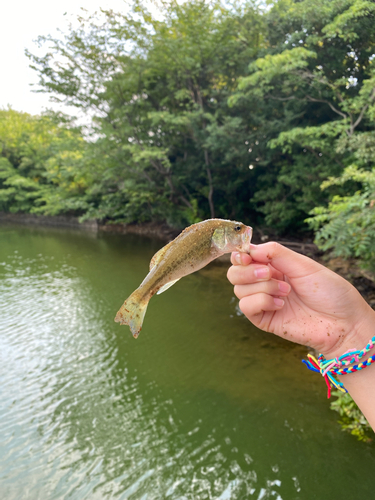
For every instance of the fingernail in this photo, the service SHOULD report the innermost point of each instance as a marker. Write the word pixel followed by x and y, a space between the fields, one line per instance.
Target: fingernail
pixel 262 272
pixel 284 287
pixel 237 258
pixel 278 302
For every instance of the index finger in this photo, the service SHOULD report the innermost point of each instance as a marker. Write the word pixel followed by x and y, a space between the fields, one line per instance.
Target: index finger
pixel 284 260
pixel 244 259
pixel 240 259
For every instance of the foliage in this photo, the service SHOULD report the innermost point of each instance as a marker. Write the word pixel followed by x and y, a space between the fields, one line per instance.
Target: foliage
pixel 352 419
pixel 37 154
pixel 347 225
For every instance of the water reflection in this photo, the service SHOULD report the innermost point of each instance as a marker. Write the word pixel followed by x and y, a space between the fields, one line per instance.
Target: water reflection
pixel 199 407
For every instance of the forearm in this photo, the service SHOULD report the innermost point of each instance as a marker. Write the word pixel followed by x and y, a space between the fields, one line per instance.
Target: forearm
pixel 361 387
pixel 361 384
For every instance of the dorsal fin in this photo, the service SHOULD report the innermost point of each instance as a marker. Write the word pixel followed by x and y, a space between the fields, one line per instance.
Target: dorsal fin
pixel 159 254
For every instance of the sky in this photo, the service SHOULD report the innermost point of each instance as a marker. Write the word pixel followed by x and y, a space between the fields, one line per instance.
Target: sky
pixel 21 22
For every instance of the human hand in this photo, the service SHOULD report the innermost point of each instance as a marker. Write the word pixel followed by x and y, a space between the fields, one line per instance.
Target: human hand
pixel 293 296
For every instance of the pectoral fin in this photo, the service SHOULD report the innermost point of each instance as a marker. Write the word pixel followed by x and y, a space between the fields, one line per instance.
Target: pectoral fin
pixel 218 238
pixel 166 286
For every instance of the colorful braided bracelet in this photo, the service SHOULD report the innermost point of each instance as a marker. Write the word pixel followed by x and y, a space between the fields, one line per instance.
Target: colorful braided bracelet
pixel 330 367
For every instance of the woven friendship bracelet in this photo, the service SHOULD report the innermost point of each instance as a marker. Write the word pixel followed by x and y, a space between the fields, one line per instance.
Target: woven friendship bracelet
pixel 348 358
pixel 355 368
pixel 330 367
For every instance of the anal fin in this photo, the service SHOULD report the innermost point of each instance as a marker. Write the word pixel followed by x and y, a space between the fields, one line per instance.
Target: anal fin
pixel 166 286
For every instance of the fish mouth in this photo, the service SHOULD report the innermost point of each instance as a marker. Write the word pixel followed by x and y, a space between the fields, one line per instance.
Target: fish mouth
pixel 246 240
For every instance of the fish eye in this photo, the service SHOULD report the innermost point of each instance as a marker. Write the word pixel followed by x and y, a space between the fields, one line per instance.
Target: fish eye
pixel 237 228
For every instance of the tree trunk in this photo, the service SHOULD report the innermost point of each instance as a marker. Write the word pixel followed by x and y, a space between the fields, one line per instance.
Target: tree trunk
pixel 210 184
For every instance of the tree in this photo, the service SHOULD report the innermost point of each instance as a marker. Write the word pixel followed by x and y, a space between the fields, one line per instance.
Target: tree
pixel 158 89
pixel 319 73
pixel 39 158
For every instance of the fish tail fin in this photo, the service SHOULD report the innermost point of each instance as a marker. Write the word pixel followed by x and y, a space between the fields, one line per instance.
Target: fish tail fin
pixel 132 313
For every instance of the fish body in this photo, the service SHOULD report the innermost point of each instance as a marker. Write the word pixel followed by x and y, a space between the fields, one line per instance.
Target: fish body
pixel 193 249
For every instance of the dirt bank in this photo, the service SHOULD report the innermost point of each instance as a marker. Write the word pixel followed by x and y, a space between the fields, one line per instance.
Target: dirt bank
pixel 46 220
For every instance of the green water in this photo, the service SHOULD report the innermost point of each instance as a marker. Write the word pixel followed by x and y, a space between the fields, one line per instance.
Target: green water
pixel 201 406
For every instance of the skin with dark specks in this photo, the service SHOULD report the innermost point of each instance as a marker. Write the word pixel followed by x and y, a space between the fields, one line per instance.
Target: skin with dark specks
pixel 193 249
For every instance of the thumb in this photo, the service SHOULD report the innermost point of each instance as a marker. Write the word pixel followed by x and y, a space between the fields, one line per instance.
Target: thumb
pixel 290 263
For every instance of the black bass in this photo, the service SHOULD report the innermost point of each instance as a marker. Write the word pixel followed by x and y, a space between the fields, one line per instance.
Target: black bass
pixel 193 249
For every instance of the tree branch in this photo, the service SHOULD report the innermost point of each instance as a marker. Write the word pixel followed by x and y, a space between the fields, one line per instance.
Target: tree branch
pixel 211 187
pixel 312 99
pixel 363 111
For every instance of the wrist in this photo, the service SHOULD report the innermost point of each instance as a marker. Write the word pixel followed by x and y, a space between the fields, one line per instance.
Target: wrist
pixel 354 336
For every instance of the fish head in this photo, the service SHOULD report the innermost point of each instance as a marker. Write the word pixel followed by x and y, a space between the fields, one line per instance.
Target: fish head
pixel 231 236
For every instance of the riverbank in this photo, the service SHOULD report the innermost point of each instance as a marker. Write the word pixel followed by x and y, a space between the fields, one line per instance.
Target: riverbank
pixel 364 282
pixel 47 220
pixel 151 229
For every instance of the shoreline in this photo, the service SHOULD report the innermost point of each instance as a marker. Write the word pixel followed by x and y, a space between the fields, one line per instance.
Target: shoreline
pixel 47 220
pixel 348 269
pixel 151 229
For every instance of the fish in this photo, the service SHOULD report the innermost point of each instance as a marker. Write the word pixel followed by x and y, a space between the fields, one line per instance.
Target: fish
pixel 195 247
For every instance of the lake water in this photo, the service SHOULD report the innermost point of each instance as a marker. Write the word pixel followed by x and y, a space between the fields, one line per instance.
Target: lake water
pixel 201 406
